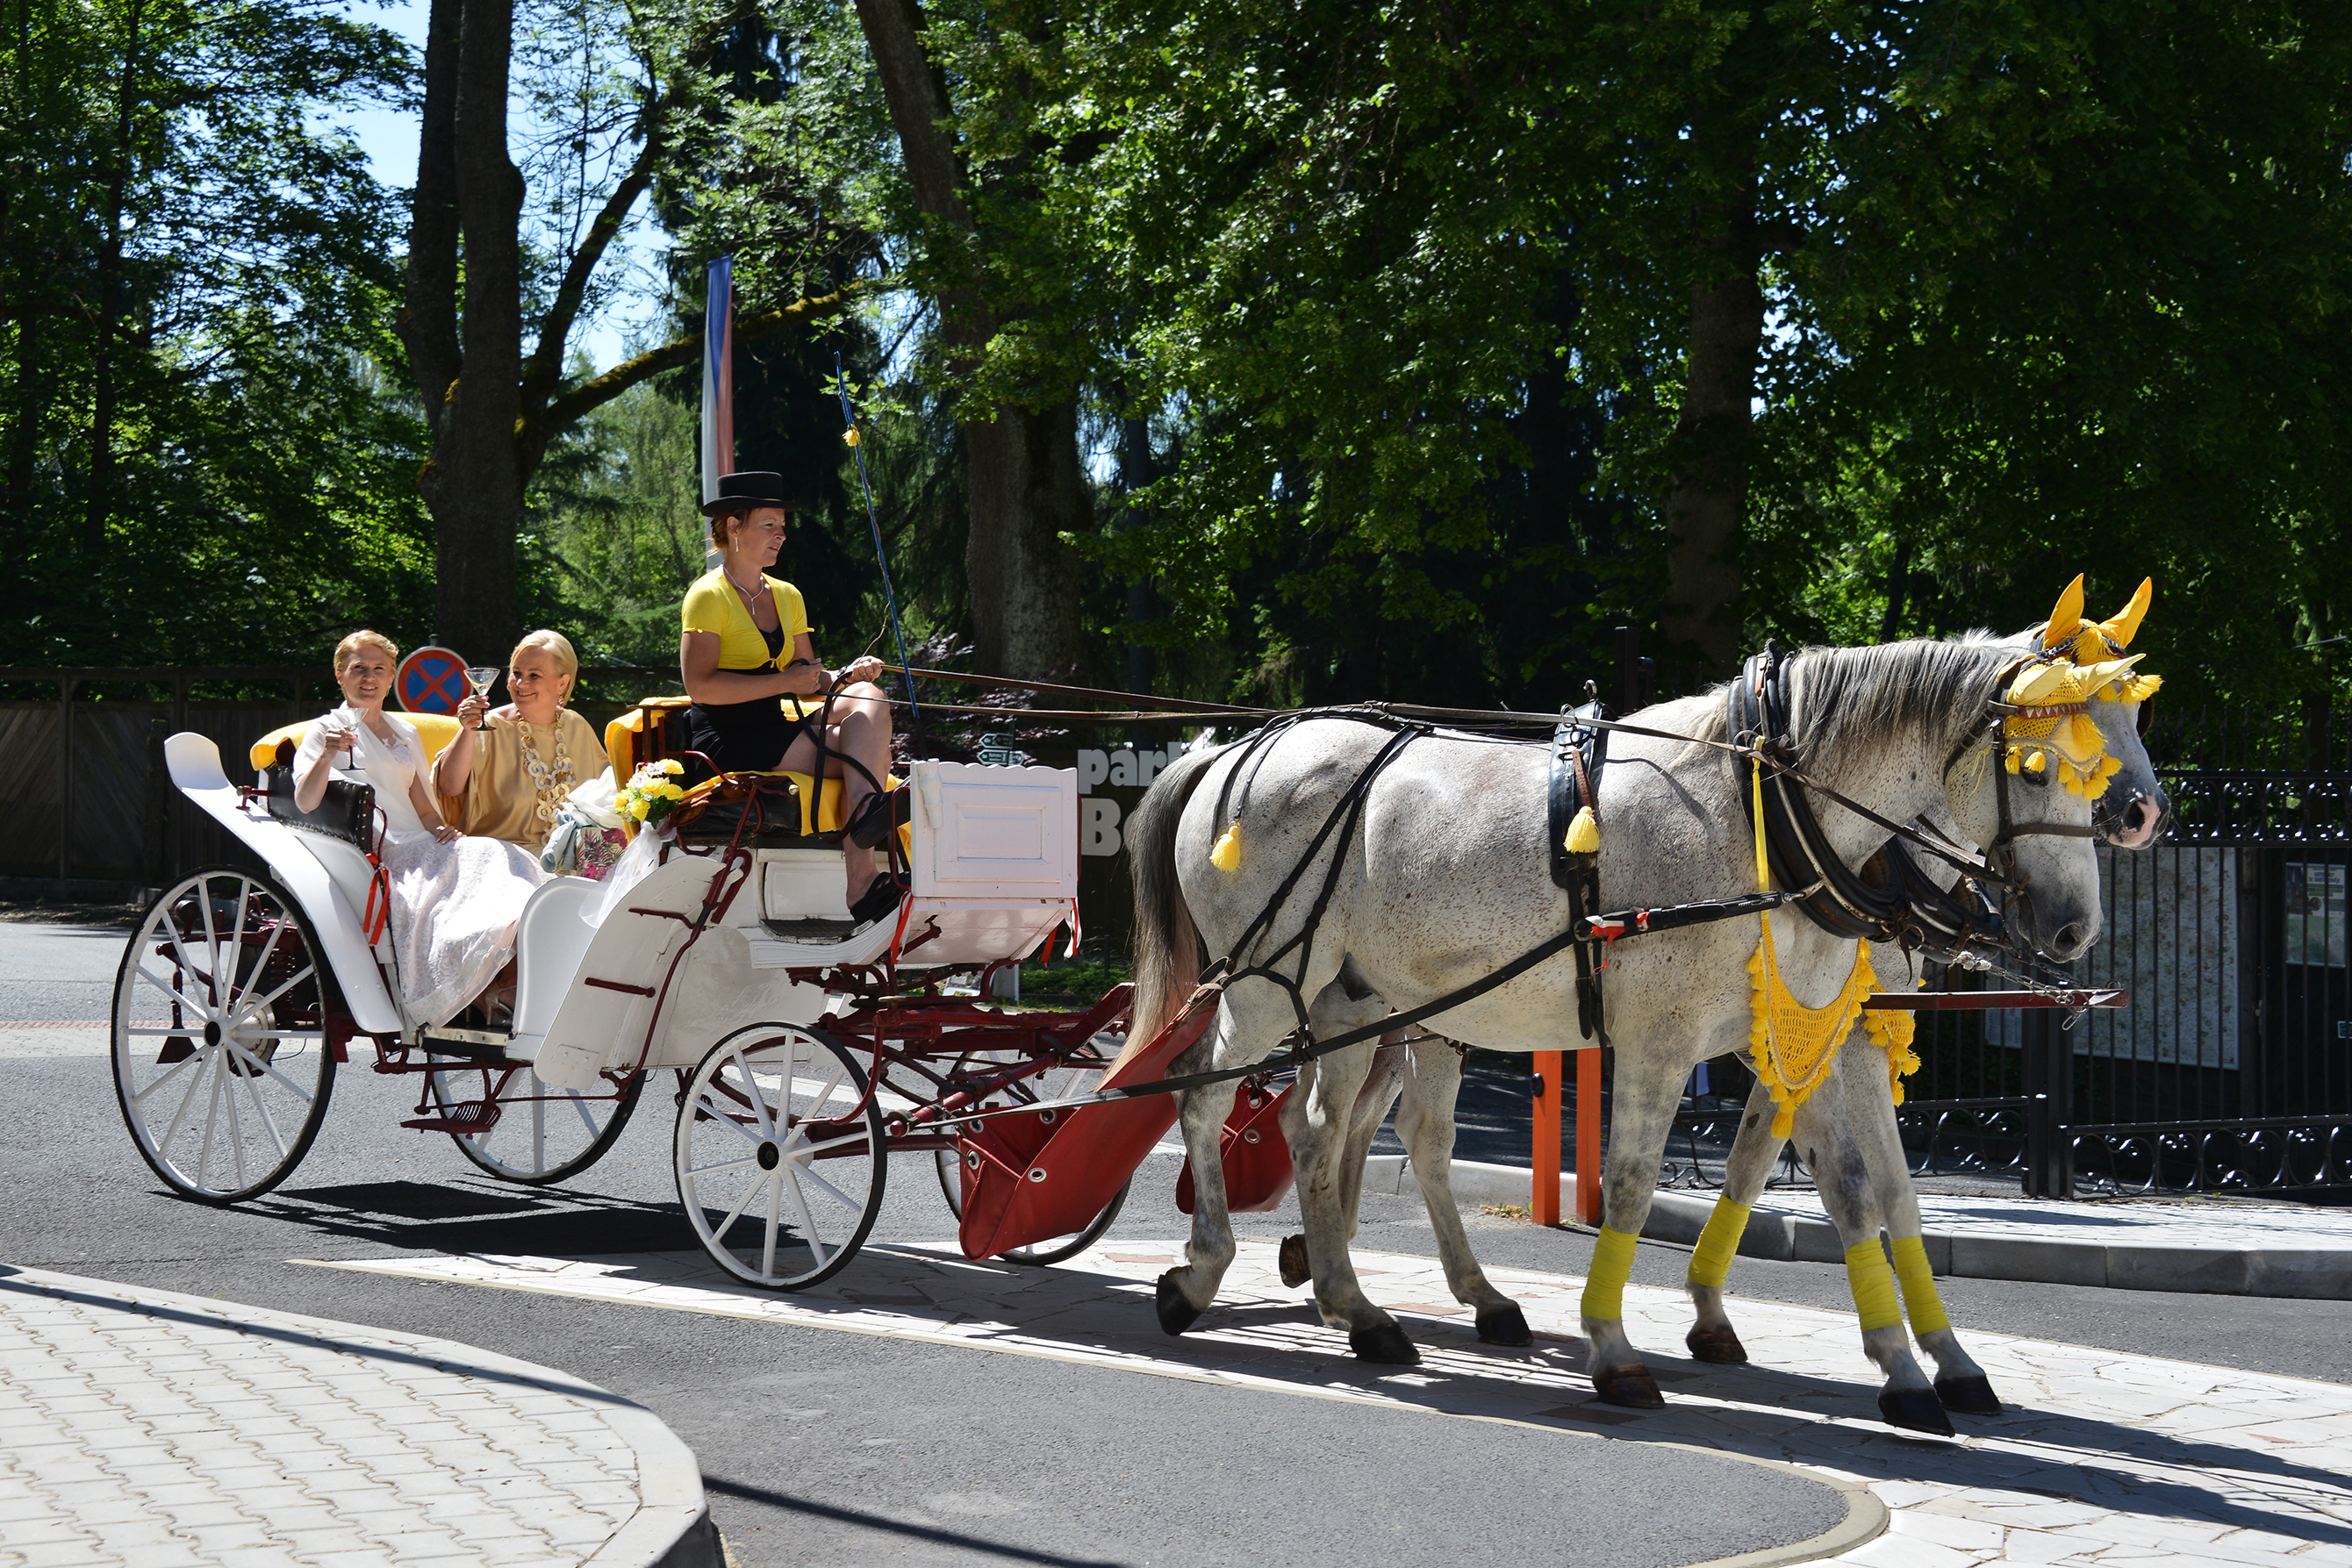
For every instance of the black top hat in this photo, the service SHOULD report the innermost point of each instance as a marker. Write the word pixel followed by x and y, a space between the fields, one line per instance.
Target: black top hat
pixel 746 492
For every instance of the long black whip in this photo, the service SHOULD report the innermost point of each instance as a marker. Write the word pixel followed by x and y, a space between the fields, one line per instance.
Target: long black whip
pixel 890 596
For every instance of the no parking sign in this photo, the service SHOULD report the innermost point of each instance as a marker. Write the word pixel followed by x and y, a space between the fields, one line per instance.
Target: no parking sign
pixel 430 680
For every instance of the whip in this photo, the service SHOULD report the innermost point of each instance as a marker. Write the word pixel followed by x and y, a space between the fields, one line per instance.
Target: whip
pixel 890 596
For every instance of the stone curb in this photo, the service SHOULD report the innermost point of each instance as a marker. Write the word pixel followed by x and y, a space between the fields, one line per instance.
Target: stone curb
pixel 2303 1273
pixel 672 1526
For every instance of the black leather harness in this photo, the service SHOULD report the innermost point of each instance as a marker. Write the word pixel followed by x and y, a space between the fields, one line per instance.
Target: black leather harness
pixel 1578 751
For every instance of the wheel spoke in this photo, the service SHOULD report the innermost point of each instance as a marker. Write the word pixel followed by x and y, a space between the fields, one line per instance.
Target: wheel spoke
pixel 718 1232
pixel 253 1092
pixel 211 1115
pixel 759 1100
pixel 726 1117
pixel 800 1170
pixel 724 1166
pixel 204 1014
pixel 165 1077
pixel 803 1151
pixel 249 1008
pixel 236 1124
pixel 539 1133
pixel 270 1068
pixel 808 1221
pixel 580 1103
pixel 775 1202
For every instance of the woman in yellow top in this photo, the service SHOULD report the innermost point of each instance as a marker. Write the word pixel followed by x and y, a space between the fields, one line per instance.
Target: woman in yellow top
pixel 744 645
pixel 510 779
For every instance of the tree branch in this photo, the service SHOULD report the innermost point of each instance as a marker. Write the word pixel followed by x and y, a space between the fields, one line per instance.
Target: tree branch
pixel 573 405
pixel 545 366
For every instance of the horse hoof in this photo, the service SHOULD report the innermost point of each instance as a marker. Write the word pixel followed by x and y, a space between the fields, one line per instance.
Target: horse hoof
pixel 1718 1347
pixel 1914 1410
pixel 1505 1324
pixel 1384 1342
pixel 1292 1261
pixel 1176 1314
pixel 1631 1387
pixel 1970 1395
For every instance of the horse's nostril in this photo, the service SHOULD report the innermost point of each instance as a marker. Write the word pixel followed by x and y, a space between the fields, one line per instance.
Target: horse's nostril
pixel 2138 817
pixel 2070 938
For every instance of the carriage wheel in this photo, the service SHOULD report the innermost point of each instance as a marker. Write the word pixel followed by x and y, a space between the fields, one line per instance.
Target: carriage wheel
pixel 543 1134
pixel 1055 1083
pixel 221 1060
pixel 780 1172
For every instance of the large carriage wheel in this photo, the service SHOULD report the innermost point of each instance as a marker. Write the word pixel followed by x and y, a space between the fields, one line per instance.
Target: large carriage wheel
pixel 779 1170
pixel 1054 1084
pixel 221 1060
pixel 543 1134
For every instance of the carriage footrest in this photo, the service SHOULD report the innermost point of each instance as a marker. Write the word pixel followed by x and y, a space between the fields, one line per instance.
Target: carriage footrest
pixel 474 1044
pixel 473 1116
pixel 812 930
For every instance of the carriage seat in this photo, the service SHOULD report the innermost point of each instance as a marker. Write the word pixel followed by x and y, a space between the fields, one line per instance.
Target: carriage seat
pixel 653 729
pixel 436 730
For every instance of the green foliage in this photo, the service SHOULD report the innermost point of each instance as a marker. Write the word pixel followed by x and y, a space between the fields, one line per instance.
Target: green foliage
pixel 204 462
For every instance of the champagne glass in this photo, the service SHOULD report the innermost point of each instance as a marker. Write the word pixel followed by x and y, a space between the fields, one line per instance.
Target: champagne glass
pixel 482 677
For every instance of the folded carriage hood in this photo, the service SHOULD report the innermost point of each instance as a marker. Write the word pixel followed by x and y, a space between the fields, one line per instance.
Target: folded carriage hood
pixel 195 763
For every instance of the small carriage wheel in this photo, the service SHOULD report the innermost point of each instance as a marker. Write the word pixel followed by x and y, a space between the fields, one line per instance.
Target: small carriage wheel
pixel 543 1134
pixel 221 1063
pixel 1054 1084
pixel 778 1171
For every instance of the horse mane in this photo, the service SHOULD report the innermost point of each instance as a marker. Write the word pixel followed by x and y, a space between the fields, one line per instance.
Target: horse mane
pixel 1840 695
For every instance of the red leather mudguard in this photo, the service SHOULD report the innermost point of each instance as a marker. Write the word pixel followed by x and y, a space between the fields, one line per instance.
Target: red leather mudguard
pixel 1044 1174
pixel 1258 1174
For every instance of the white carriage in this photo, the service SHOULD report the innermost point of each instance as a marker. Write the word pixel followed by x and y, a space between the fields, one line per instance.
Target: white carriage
pixel 732 963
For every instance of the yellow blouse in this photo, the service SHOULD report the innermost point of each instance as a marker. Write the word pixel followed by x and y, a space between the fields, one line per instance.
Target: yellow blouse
pixel 712 605
pixel 507 798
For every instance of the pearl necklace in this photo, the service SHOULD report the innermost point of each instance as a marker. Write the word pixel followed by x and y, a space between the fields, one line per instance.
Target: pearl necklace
pixel 552 781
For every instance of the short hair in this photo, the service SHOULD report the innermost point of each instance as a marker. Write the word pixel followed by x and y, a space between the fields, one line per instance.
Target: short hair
pixel 358 640
pixel 555 642
pixel 720 519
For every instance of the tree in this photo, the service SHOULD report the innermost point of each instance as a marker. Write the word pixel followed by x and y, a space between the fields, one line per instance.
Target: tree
pixel 487 337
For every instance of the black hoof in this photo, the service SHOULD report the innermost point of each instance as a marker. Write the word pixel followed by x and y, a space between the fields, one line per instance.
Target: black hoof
pixel 1914 1410
pixel 1631 1387
pixel 1384 1342
pixel 1968 1396
pixel 1292 1261
pixel 1176 1314
pixel 1717 1347
pixel 1505 1324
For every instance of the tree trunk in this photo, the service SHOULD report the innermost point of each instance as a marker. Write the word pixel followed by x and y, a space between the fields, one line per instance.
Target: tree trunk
pixel 101 500
pixel 474 483
pixel 1026 481
pixel 1026 489
pixel 1708 504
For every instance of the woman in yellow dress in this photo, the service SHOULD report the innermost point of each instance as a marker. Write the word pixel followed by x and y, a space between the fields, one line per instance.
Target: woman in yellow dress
pixel 744 645
pixel 508 780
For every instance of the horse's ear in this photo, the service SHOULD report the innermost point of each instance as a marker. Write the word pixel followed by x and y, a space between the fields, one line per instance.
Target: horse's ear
pixel 2126 625
pixel 2065 620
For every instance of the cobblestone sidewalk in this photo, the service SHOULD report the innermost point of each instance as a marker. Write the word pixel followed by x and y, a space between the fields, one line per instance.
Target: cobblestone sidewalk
pixel 155 1430
pixel 2101 1458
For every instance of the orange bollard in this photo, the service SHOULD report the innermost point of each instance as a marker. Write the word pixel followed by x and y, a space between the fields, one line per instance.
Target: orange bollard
pixel 1549 1084
pixel 1588 1135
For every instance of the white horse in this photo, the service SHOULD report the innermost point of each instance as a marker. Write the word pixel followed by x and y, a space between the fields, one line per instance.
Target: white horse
pixel 1443 878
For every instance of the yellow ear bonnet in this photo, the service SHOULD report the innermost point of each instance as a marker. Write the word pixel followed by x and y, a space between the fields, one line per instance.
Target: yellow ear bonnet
pixel 2079 660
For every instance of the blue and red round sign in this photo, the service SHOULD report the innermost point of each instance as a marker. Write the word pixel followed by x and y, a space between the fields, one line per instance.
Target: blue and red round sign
pixel 430 680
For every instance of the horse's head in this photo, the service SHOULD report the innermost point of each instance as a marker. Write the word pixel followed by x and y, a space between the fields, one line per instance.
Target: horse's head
pixel 2068 717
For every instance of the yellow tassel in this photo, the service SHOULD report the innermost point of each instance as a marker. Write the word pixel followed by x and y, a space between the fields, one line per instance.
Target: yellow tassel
pixel 849 437
pixel 1227 855
pixel 1584 833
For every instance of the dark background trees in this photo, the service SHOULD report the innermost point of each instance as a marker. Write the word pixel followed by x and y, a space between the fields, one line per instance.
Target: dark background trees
pixel 1317 352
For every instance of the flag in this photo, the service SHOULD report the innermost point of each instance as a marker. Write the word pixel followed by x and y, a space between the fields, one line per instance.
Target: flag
pixel 719 376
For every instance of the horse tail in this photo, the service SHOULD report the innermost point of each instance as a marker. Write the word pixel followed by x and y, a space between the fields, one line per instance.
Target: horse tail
pixel 1167 945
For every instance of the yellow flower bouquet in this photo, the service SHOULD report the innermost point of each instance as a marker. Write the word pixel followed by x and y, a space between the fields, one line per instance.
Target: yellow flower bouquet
pixel 651 794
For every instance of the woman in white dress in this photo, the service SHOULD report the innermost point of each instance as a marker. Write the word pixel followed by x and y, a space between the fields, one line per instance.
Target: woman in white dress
pixel 455 900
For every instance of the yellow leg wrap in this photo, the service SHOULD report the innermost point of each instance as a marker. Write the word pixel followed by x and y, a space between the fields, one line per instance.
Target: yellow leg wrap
pixel 1918 1286
pixel 1604 1286
pixel 1710 1261
pixel 1874 1285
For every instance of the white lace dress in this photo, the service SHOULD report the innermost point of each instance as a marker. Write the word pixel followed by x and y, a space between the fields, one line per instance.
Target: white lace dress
pixel 453 905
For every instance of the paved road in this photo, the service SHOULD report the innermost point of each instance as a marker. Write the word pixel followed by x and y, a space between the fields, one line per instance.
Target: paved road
pixel 829 1448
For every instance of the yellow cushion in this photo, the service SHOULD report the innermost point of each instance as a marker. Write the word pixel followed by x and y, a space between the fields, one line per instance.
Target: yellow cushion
pixel 434 729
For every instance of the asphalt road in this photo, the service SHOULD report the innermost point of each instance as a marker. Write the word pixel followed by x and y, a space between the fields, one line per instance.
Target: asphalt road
pixel 825 1447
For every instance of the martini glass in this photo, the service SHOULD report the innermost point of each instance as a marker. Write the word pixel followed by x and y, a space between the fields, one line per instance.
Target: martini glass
pixel 482 677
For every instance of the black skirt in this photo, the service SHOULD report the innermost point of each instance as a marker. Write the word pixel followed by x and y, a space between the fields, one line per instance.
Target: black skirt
pixel 743 737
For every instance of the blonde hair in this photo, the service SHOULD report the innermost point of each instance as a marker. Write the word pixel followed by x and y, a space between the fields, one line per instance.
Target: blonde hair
pixel 721 536
pixel 358 640
pixel 556 644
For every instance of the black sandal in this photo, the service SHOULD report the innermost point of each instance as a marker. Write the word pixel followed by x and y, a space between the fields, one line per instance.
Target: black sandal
pixel 881 814
pixel 879 901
